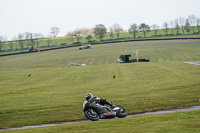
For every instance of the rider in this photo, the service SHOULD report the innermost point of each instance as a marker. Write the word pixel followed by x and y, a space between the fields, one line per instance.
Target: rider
pixel 90 98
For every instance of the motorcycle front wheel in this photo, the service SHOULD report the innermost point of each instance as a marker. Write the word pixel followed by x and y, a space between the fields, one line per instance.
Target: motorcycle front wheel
pixel 91 114
pixel 121 113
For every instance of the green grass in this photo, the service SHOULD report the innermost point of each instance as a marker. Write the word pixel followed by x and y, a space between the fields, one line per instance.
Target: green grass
pixel 184 122
pixel 55 92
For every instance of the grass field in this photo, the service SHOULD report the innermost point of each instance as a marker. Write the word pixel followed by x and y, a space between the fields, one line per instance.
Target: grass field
pixel 55 92
pixel 184 122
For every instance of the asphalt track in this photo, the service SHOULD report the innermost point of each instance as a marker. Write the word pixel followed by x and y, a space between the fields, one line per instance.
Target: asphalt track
pixel 172 110
pixel 194 62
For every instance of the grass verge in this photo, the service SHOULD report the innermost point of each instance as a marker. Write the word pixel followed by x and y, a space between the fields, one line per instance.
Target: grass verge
pixel 55 92
pixel 184 122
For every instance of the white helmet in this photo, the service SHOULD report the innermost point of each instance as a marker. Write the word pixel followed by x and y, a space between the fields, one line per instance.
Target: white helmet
pixel 88 96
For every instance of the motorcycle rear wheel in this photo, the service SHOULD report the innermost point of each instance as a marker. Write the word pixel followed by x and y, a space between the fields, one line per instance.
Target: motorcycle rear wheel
pixel 91 114
pixel 121 113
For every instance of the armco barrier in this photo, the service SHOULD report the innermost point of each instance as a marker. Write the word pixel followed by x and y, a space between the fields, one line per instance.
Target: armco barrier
pixel 37 51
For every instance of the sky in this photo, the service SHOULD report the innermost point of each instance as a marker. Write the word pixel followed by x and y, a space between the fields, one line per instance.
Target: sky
pixel 38 16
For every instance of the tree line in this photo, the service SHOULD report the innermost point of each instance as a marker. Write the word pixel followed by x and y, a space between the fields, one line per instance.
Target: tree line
pixel 186 25
pixel 174 27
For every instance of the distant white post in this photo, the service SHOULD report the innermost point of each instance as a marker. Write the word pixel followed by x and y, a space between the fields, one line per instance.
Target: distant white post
pixel 131 52
pixel 137 55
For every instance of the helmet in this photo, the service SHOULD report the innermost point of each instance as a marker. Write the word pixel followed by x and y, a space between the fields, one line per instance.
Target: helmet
pixel 88 96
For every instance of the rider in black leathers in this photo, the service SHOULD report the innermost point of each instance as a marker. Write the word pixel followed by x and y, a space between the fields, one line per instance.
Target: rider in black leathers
pixel 91 99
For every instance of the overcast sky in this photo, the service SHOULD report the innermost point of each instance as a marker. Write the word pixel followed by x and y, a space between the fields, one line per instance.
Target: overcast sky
pixel 38 16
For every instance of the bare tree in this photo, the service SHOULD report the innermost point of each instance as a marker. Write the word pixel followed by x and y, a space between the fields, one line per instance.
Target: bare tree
pixel 166 27
pixel 14 39
pixel 78 35
pixel 21 41
pixel 5 42
pixel 111 32
pixel 182 23
pixel 78 38
pixel 176 26
pixel 1 42
pixel 10 44
pixel 71 36
pixel 100 31
pixel 72 39
pixel 117 29
pixel 155 28
pixel 55 31
pixel 172 26
pixel 91 31
pixel 83 31
pixel 27 38
pixel 32 42
pixel 192 19
pixel 37 38
pixel 133 29
pixel 187 26
pixel 48 42
pixel 198 24
pixel 144 28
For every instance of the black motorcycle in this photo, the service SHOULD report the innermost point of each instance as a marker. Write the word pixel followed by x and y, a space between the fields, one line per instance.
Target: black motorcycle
pixel 96 111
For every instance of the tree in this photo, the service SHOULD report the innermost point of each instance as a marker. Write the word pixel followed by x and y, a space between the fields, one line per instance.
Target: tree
pixel 117 29
pixel 10 44
pixel 187 26
pixel 27 37
pixel 111 32
pixel 166 27
pixel 172 26
pixel 176 26
pixel 37 37
pixel 83 31
pixel 71 36
pixel 89 37
pixel 32 42
pixel 21 41
pixel 155 29
pixel 48 42
pixel 78 36
pixel 192 19
pixel 1 43
pixel 133 29
pixel 144 28
pixel 198 24
pixel 72 39
pixel 182 23
pixel 55 31
pixel 100 31
pixel 14 39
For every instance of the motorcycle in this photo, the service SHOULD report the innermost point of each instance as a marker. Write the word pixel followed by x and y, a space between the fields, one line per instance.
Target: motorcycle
pixel 96 111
